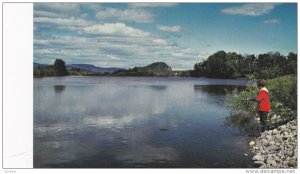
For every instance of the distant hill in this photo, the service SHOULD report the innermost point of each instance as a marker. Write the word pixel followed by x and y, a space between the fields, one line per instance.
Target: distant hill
pixel 157 66
pixel 93 68
pixel 83 67
pixel 40 65
pixel 154 69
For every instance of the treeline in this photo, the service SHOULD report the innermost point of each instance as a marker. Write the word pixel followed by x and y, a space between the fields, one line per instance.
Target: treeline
pixel 218 65
pixel 57 69
pixel 155 69
pixel 233 65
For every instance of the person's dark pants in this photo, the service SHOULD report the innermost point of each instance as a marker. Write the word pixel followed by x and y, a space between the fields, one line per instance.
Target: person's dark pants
pixel 263 121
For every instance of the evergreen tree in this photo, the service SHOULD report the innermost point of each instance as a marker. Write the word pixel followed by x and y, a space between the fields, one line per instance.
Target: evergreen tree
pixel 60 68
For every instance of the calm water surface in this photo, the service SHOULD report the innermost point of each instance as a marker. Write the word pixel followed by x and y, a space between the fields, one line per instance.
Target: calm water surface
pixel 120 122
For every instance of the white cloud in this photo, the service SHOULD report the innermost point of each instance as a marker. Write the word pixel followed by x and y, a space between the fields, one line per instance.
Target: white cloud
pixel 151 4
pixel 74 22
pixel 58 7
pixel 96 6
pixel 257 9
pixel 116 29
pixel 174 29
pixel 134 15
pixel 41 13
pixel 108 44
pixel 113 50
pixel 159 42
pixel 272 21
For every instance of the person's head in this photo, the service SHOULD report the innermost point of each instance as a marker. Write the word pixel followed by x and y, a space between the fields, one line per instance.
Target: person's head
pixel 261 83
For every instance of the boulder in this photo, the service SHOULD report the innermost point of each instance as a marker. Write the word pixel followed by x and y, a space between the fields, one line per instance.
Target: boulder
pixel 265 142
pixel 252 143
pixel 272 148
pixel 275 131
pixel 258 158
pixel 272 142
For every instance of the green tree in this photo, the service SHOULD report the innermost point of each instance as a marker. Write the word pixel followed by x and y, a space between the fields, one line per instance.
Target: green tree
pixel 291 67
pixel 60 68
pixel 216 65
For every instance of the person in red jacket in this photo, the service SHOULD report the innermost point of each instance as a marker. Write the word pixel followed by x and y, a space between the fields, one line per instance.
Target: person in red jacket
pixel 263 104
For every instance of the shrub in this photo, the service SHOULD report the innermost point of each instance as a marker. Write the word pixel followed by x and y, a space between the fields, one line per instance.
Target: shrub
pixel 282 93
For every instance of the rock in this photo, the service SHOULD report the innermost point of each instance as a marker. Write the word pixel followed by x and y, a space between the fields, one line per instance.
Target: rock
pixel 276 148
pixel 275 131
pixel 263 135
pixel 272 142
pixel 277 158
pixel 273 163
pixel 265 142
pixel 259 163
pixel 263 166
pixel 293 127
pixel 292 163
pixel 252 143
pixel 258 158
pixel 282 127
pixel 290 153
pixel 269 159
pixel 269 137
pixel 272 148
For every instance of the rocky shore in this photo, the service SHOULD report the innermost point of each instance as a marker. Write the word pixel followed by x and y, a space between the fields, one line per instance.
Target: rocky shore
pixel 276 148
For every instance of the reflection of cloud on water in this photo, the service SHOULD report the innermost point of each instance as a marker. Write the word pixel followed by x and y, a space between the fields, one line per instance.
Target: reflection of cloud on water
pixel 145 153
pixel 108 121
pixel 60 143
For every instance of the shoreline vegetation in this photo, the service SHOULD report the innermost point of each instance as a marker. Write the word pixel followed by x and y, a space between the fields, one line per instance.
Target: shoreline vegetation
pixel 223 65
pixel 275 148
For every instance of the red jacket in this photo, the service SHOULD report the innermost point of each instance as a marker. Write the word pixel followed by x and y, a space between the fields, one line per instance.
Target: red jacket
pixel 263 100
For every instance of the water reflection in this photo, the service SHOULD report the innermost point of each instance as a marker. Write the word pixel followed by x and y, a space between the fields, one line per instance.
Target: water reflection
pixel 244 122
pixel 119 122
pixel 158 87
pixel 217 89
pixel 144 153
pixel 59 88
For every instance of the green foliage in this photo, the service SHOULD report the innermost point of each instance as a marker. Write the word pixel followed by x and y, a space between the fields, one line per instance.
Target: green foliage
pixel 233 65
pixel 282 94
pixel 43 72
pixel 60 68
pixel 154 69
pixel 239 100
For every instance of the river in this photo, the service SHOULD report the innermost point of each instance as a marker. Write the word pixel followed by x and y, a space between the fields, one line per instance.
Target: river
pixel 131 122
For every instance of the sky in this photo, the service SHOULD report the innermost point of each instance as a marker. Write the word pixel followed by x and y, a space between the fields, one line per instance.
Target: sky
pixel 128 35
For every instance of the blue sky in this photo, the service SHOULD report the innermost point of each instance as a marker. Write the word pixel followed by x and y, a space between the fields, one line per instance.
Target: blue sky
pixel 180 34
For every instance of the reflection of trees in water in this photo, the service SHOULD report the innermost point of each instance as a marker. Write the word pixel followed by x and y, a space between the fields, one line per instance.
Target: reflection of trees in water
pixel 244 122
pixel 59 88
pixel 216 93
pixel 158 87
pixel 217 89
pixel 154 87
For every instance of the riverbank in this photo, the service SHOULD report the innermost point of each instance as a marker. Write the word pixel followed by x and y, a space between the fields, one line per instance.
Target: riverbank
pixel 276 148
